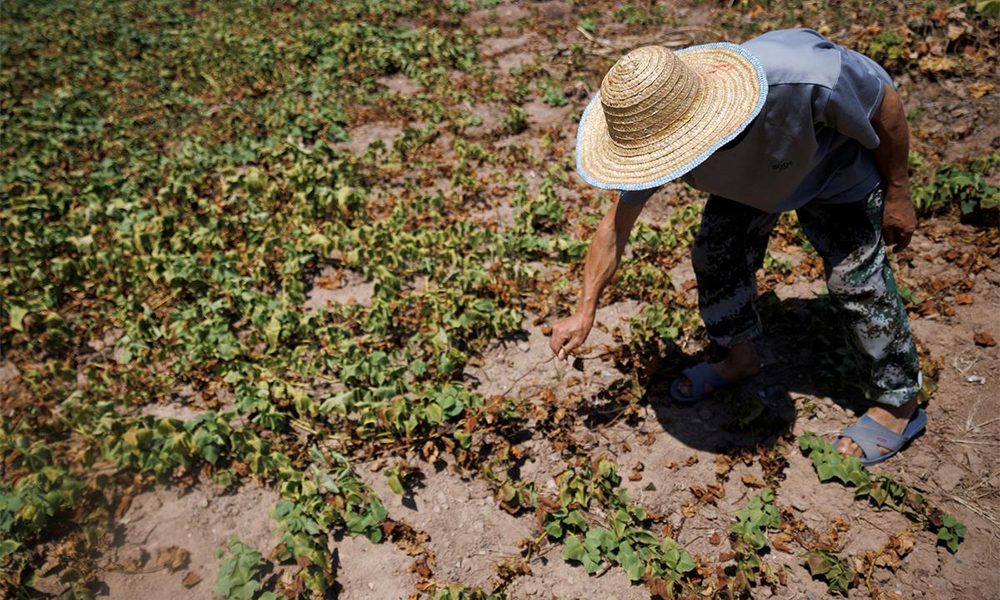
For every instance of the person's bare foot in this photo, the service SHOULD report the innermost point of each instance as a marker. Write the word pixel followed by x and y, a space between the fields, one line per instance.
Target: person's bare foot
pixel 741 362
pixel 893 418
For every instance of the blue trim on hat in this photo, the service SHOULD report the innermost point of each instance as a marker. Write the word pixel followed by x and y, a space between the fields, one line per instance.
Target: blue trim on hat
pixel 762 80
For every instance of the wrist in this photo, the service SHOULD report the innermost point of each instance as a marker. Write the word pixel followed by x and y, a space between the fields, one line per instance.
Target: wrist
pixel 586 310
pixel 894 188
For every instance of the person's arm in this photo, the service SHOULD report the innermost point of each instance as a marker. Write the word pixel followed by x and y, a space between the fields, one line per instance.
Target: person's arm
pixel 899 220
pixel 605 252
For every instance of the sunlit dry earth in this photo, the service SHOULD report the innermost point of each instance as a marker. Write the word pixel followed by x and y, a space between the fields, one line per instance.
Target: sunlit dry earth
pixel 287 273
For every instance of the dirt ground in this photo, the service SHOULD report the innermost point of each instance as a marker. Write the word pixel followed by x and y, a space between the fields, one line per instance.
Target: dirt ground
pixel 954 463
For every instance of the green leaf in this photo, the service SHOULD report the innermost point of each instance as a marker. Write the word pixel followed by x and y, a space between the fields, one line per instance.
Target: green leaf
pixel 418 367
pixel 211 453
pixel 273 330
pixel 990 8
pixel 554 529
pixel 576 518
pixel 17 314
pixel 573 549
pixel 630 562
pixel 464 439
pixel 686 563
pixel 394 483
pixel 826 471
pixel 8 547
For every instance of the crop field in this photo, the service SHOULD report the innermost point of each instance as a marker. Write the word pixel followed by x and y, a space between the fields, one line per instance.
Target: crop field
pixel 278 279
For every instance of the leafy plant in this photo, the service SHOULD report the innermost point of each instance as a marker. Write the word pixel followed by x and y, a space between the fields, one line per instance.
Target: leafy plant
pixel 633 13
pixel 623 539
pixel 964 185
pixel 461 592
pixel 951 531
pixel 240 570
pixel 553 95
pixel 887 47
pixel 754 519
pixel 515 121
pixel 835 571
pixel 881 490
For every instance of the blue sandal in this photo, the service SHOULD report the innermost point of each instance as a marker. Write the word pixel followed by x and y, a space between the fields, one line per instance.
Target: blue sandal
pixel 699 375
pixel 871 436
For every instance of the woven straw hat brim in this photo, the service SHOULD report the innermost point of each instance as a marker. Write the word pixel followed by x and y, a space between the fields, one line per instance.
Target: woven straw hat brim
pixel 728 100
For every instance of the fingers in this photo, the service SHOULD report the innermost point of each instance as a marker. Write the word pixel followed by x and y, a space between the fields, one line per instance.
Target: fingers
pixel 567 336
pixel 897 238
pixel 563 343
pixel 903 240
pixel 570 345
pixel 889 234
pixel 557 341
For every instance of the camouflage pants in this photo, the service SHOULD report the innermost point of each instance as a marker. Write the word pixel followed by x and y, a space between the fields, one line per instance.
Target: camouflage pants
pixel 730 246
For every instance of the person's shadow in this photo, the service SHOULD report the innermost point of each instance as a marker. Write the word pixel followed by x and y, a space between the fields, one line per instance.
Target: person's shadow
pixel 805 350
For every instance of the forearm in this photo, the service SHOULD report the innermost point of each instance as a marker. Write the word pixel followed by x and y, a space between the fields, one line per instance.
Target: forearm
pixel 892 153
pixel 602 261
pixel 605 253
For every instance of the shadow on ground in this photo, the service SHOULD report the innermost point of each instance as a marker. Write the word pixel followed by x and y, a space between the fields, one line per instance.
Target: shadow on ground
pixel 805 352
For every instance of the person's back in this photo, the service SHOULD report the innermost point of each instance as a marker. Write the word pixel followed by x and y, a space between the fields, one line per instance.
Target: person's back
pixel 812 139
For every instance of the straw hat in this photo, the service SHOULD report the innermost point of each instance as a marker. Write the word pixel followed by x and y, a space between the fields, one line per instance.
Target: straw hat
pixel 660 113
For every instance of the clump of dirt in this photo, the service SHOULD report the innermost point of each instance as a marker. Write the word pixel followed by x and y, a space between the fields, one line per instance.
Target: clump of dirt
pixel 367 571
pixel 400 84
pixel 489 115
pixel 504 14
pixel 469 533
pixel 338 286
pixel 544 116
pixel 197 521
pixel 363 136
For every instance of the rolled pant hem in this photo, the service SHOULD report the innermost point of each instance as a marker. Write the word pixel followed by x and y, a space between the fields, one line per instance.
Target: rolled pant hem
pixel 901 396
pixel 732 340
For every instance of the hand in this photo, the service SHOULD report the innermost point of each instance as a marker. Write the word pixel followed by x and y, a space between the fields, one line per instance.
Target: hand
pixel 569 333
pixel 899 220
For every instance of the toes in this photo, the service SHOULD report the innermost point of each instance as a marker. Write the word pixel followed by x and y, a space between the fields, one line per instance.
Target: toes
pixel 847 447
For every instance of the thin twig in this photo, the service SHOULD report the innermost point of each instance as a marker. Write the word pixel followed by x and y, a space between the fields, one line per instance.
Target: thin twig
pixel 300 424
pixel 597 40
pixel 968 429
pixel 525 374
pixel 976 442
pixel 993 476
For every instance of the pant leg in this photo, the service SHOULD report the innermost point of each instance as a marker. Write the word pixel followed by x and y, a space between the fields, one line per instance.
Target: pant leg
pixel 848 237
pixel 727 252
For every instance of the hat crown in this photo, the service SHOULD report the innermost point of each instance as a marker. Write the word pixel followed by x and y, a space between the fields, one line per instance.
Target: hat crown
pixel 648 90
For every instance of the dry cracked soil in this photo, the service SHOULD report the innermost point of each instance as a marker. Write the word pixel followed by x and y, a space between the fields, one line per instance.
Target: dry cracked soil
pixel 954 463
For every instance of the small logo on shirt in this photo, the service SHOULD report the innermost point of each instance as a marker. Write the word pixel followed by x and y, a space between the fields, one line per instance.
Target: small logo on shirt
pixel 781 166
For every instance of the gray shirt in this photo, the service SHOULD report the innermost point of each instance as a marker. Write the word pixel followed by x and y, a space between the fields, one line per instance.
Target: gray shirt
pixel 812 140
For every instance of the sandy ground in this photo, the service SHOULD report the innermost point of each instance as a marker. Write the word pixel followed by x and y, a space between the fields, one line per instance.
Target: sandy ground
pixel 954 464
